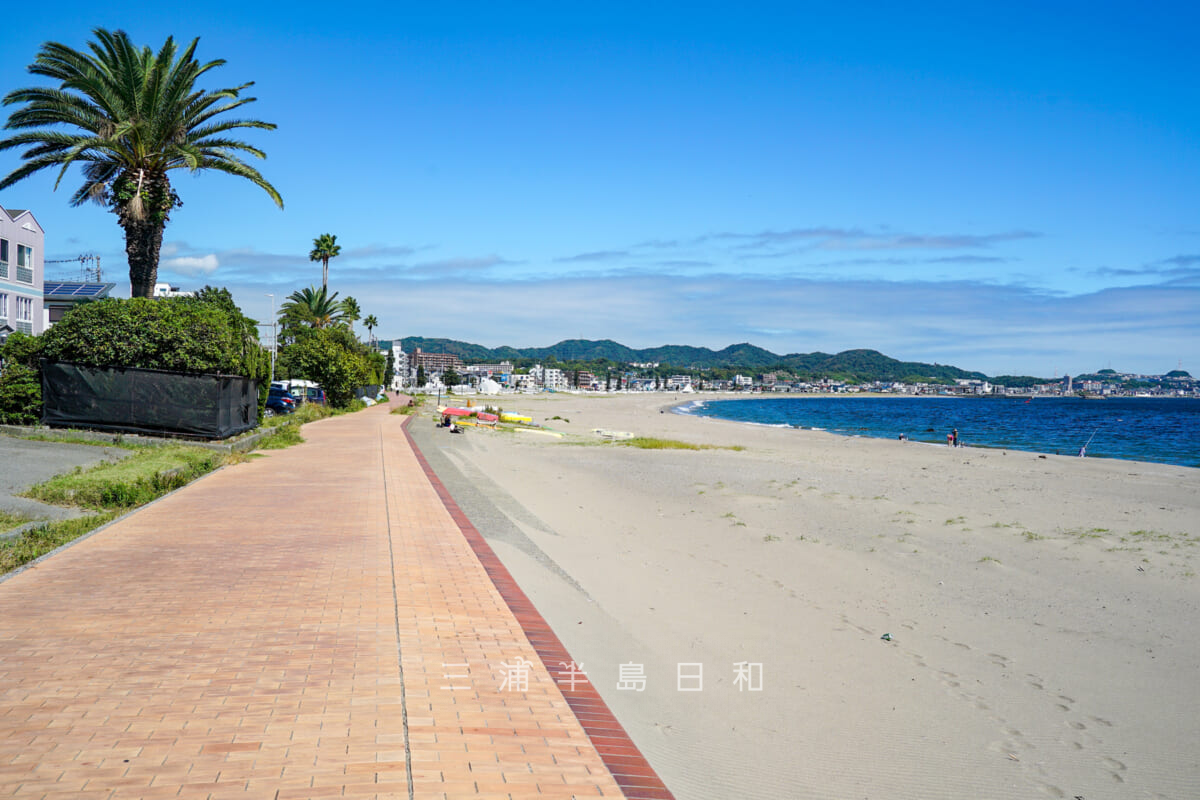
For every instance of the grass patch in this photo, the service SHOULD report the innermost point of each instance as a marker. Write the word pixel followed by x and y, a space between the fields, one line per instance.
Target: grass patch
pixel 652 443
pixel 35 543
pixel 414 405
pixel 284 436
pixel 146 475
pixel 986 559
pixel 770 538
pixel 9 520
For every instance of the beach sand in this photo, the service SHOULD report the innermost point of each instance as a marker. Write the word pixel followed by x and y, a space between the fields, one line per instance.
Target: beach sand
pixel 1043 610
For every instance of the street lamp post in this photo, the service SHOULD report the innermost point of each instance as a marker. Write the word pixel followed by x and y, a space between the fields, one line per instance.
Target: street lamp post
pixel 274 337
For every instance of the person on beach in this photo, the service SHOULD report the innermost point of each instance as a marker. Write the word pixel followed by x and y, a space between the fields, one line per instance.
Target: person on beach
pixel 955 435
pixel 949 440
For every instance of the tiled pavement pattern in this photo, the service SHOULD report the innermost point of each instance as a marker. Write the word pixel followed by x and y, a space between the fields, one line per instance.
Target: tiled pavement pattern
pixel 292 627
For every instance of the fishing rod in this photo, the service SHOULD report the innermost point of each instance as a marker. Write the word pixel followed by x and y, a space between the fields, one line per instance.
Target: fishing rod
pixel 1083 450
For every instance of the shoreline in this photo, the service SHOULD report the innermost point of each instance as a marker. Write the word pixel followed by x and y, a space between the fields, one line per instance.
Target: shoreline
pixel 1043 612
pixel 678 409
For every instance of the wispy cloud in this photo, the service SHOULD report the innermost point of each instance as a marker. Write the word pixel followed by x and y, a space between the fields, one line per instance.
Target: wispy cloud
pixel 830 238
pixel 380 251
pixel 1183 269
pixel 457 266
pixel 976 325
pixel 967 260
pixel 599 255
pixel 684 263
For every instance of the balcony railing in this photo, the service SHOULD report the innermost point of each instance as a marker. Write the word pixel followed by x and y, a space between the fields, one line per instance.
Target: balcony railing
pixel 4 270
pixel 24 275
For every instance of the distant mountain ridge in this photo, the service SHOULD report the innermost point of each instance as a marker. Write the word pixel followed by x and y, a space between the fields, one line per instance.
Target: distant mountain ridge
pixel 859 365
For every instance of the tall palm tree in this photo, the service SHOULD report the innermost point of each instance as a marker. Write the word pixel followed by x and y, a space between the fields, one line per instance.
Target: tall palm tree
pixel 129 117
pixel 313 306
pixel 351 313
pixel 371 324
pixel 325 247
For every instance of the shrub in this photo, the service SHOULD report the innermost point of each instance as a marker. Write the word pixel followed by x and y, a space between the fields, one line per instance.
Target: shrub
pixel 182 334
pixel 333 358
pixel 20 395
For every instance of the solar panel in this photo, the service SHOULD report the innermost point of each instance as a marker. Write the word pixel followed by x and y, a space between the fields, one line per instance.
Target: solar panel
pixel 74 289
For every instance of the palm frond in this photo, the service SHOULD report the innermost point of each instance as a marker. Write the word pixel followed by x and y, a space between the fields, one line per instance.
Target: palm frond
pixel 134 107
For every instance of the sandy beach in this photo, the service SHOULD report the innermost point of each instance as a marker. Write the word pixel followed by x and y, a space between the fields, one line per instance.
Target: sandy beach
pixel 1042 610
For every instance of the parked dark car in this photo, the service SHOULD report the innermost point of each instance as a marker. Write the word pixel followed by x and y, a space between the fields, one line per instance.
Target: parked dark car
pixel 279 401
pixel 313 394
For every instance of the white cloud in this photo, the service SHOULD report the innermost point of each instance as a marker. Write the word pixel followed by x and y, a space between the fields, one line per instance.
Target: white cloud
pixel 193 265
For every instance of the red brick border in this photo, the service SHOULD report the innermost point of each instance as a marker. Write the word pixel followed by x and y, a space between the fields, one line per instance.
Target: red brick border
pixel 629 767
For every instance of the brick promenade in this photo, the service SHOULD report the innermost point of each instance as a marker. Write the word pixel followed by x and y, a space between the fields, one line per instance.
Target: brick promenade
pixel 309 624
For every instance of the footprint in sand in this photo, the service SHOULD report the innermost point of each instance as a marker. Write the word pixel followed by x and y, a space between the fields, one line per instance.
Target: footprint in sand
pixel 1101 721
pixel 1079 726
pixel 1112 763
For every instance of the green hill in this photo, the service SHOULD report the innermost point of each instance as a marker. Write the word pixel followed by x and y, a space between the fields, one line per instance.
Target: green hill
pixel 851 365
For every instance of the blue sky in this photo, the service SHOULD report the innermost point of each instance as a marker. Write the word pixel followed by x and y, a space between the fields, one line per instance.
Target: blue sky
pixel 1011 188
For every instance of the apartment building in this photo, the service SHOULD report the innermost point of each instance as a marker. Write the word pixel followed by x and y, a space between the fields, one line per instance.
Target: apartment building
pixel 434 363
pixel 21 272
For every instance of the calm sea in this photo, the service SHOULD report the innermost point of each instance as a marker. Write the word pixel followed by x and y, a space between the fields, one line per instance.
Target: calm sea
pixel 1165 430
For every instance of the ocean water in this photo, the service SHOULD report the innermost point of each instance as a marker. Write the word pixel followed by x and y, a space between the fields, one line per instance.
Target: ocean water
pixel 1164 430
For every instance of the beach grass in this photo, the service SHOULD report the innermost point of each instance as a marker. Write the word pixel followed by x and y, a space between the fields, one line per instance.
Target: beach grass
pixel 654 443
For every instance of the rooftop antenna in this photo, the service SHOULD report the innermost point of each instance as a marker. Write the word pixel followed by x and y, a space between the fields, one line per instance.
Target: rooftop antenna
pixel 85 273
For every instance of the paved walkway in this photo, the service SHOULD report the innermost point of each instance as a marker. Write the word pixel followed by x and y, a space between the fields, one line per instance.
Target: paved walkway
pixel 310 624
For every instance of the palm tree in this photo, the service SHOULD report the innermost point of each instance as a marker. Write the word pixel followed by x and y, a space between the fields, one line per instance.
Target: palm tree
pixel 129 117
pixel 350 311
pixel 371 324
pixel 325 247
pixel 314 307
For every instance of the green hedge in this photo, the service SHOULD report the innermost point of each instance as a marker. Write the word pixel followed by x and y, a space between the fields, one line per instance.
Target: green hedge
pixel 206 334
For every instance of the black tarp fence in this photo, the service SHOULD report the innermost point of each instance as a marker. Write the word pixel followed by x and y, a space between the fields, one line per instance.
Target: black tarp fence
pixel 147 401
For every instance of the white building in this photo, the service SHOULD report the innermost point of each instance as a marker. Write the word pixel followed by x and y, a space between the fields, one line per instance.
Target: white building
pixel 400 365
pixel 549 377
pixel 21 273
pixel 167 290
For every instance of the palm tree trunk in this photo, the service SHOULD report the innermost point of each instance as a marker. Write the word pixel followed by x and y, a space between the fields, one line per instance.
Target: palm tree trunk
pixel 143 241
pixel 325 273
pixel 143 213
